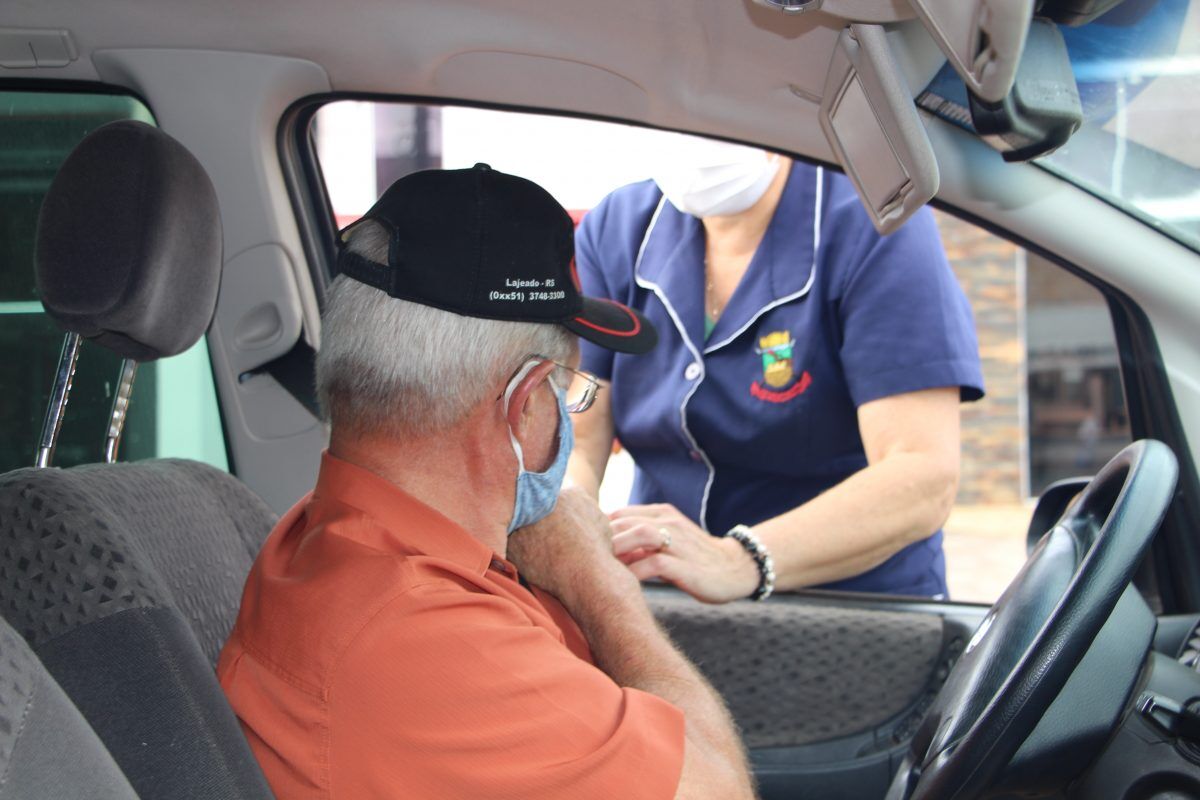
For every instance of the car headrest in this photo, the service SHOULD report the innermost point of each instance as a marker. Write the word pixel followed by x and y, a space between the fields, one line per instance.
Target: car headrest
pixel 129 243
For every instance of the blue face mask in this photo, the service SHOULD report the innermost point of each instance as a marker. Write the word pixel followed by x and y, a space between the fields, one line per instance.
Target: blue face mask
pixel 537 492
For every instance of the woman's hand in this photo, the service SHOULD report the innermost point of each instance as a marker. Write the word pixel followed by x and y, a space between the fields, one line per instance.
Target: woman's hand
pixel 657 541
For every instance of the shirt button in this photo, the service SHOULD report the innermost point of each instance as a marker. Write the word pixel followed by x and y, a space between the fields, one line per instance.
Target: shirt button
pixel 692 372
pixel 695 454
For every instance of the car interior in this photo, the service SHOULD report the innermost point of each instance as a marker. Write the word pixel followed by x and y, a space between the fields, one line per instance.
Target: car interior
pixel 177 209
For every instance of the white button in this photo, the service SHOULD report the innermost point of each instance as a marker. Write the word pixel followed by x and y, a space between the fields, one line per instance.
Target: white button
pixel 692 372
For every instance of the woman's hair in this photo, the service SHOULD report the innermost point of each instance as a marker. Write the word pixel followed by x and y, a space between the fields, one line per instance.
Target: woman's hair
pixel 393 366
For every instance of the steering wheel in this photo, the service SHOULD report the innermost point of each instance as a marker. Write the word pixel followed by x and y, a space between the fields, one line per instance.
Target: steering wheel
pixel 1029 644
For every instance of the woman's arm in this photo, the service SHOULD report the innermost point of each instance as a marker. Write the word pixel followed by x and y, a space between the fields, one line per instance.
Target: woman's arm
pixel 593 442
pixel 903 495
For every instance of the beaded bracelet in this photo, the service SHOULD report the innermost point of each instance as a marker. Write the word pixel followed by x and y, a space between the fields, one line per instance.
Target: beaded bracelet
pixel 762 559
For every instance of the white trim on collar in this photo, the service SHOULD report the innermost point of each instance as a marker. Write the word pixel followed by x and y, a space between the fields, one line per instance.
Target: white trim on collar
pixel 697 358
pixel 794 295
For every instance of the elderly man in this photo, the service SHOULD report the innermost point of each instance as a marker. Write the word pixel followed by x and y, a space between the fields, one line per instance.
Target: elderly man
pixel 393 640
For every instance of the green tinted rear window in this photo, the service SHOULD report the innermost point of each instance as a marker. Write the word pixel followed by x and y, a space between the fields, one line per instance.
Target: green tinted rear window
pixel 174 409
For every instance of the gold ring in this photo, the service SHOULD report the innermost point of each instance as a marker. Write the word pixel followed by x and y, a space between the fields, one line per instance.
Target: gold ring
pixel 666 539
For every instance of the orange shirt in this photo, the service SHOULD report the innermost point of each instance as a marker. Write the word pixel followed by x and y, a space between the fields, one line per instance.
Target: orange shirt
pixel 382 651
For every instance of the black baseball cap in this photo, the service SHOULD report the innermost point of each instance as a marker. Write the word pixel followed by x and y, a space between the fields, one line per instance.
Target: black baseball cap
pixel 482 243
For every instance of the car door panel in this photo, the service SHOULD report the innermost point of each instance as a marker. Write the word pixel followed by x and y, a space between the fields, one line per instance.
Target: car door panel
pixel 826 688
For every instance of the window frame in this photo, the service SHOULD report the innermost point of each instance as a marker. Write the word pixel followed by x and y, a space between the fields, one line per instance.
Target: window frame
pixel 1171 573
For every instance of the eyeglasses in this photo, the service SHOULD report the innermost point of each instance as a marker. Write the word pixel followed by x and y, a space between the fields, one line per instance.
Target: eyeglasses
pixel 580 386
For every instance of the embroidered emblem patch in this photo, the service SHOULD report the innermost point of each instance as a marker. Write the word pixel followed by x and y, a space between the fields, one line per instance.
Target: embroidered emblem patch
pixel 776 351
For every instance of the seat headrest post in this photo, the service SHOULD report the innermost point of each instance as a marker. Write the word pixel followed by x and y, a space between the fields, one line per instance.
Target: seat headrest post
pixel 120 410
pixel 59 394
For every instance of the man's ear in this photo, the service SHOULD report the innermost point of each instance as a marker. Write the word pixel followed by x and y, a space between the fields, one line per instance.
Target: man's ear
pixel 520 397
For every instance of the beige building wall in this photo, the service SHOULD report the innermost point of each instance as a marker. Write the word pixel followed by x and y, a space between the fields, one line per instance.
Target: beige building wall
pixel 994 432
pixel 985 533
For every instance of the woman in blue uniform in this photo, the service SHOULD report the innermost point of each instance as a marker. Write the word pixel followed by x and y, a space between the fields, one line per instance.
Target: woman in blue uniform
pixel 798 423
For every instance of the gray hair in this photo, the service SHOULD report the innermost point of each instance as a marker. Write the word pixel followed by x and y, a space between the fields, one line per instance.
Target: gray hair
pixel 392 366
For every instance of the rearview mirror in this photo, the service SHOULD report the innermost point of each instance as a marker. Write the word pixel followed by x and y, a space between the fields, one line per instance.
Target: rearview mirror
pixel 1076 12
pixel 1042 110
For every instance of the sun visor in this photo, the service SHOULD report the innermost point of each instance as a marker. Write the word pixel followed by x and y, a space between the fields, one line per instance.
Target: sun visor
pixel 868 116
pixel 983 40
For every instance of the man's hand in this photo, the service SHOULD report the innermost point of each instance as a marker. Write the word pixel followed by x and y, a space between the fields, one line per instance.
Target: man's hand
pixel 570 555
pixel 570 551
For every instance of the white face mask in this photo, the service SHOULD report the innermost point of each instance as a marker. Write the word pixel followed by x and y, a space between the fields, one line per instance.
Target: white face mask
pixel 713 179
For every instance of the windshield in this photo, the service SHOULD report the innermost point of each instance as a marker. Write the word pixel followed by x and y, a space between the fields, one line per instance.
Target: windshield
pixel 1138 72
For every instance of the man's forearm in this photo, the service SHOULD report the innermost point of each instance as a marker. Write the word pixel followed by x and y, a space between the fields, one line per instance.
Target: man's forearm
pixel 569 554
pixel 629 646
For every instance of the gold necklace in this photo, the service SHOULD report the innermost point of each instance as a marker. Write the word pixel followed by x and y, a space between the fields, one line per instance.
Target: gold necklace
pixel 710 293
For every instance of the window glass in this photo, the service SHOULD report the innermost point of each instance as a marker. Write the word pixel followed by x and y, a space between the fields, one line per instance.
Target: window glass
pixel 1054 406
pixel 1077 418
pixel 173 411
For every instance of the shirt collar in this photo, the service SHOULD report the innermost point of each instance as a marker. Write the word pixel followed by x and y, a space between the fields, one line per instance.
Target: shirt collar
pixel 670 263
pixel 405 524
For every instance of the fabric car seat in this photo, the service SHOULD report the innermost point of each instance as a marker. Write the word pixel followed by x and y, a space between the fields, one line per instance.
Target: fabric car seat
pixel 47 749
pixel 125 578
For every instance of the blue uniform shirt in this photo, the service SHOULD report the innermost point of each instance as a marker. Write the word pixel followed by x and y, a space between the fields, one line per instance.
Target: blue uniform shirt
pixel 761 417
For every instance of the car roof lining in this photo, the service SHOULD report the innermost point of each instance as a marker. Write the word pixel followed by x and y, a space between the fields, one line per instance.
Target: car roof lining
pixel 714 66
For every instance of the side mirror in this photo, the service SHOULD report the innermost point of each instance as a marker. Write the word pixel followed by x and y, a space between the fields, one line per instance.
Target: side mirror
pixel 1050 507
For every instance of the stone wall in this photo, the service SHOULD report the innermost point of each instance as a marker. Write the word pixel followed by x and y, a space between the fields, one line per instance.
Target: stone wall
pixel 991 271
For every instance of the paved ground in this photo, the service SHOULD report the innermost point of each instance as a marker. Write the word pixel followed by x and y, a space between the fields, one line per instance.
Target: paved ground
pixel 985 545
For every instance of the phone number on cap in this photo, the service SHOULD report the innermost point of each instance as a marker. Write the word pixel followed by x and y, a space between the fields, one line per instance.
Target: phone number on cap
pixel 533 297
